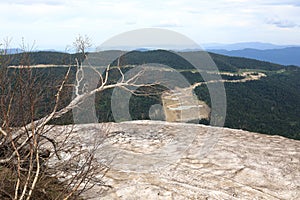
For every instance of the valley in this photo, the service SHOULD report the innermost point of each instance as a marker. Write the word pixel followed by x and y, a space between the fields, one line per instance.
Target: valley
pixel 261 96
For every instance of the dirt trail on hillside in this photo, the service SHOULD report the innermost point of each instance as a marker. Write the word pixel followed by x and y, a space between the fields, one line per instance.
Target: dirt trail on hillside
pixel 248 76
pixel 182 105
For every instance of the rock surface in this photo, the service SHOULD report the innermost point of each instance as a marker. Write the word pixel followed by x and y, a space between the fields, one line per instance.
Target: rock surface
pixel 161 160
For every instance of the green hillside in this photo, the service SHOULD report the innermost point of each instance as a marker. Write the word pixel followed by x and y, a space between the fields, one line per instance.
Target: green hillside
pixel 270 105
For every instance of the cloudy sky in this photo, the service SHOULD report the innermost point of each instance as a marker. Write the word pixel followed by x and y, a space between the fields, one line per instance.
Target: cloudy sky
pixel 53 24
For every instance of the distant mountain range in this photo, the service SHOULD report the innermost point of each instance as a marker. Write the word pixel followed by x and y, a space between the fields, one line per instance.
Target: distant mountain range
pixel 245 45
pixel 18 50
pixel 11 51
pixel 280 54
pixel 284 56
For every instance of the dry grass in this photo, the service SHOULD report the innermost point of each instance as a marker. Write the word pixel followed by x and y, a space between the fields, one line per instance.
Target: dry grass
pixel 47 188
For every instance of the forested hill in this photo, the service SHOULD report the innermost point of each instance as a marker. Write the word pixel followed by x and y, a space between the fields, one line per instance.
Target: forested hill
pixel 270 105
pixel 224 63
pixel 41 57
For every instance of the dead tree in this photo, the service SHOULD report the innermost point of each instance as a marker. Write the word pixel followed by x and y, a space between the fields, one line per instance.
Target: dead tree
pixel 23 134
pixel 81 44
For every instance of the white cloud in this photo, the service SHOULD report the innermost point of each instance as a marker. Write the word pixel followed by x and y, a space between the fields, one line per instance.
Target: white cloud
pixel 32 2
pixel 168 24
pixel 282 23
pixel 57 22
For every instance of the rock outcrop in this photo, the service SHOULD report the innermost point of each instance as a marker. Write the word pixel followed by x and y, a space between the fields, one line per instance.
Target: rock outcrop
pixel 161 160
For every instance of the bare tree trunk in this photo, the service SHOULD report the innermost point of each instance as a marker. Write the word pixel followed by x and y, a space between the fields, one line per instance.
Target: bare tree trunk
pixel 24 136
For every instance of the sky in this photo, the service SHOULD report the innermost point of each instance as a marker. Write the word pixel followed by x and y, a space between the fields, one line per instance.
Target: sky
pixel 54 24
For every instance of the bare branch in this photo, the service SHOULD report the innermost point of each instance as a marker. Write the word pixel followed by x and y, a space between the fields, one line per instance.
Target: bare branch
pixel 82 43
pixel 3 132
pixel 26 144
pixel 18 168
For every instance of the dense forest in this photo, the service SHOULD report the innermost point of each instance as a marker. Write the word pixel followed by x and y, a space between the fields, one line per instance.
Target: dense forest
pixel 270 105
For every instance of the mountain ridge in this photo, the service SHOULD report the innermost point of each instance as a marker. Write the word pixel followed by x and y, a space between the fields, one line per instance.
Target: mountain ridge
pixel 270 105
pixel 283 56
pixel 245 45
